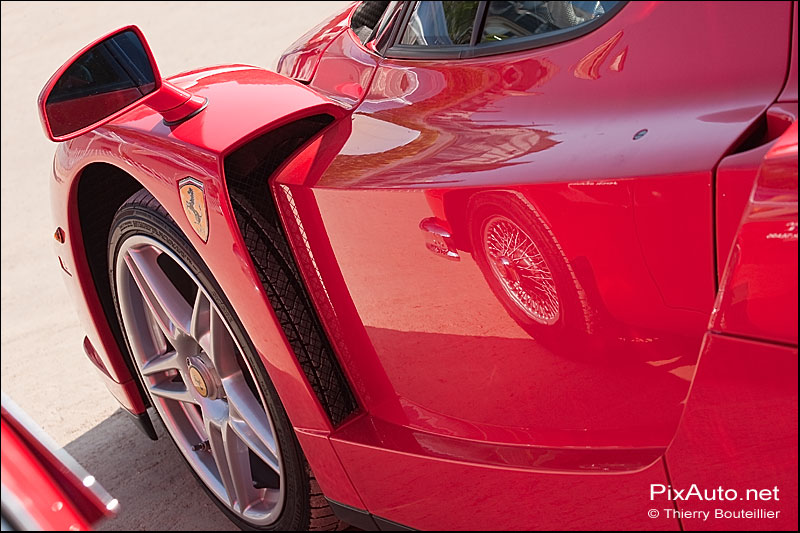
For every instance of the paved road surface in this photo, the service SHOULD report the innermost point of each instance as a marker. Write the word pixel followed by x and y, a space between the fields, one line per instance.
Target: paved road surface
pixel 43 366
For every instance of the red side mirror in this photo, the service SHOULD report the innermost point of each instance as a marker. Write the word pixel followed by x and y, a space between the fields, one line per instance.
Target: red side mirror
pixel 106 79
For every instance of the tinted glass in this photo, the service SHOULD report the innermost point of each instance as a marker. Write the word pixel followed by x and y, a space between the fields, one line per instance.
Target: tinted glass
pixel 108 77
pixel 94 72
pixel 509 20
pixel 130 52
pixel 441 24
pixel 115 64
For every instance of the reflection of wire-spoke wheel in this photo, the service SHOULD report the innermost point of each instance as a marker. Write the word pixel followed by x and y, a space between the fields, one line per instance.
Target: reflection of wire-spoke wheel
pixel 204 377
pixel 528 273
pixel 521 269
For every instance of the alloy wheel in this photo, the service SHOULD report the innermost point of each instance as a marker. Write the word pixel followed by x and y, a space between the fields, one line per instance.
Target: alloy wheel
pixel 204 389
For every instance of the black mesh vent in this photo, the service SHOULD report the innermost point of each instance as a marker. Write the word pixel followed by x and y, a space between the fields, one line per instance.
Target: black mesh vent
pixel 247 173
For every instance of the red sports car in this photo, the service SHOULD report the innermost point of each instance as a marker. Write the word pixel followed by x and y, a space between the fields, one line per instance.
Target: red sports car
pixel 455 265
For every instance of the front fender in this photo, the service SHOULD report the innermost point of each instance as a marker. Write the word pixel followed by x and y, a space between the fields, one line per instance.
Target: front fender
pixel 244 102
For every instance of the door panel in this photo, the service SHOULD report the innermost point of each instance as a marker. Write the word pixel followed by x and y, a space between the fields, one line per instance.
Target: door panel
pixel 455 353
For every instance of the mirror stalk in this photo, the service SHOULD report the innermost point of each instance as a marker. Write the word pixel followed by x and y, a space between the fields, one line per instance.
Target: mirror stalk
pixel 175 104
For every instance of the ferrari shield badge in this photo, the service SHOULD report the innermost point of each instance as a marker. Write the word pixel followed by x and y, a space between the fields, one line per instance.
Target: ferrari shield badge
pixel 194 205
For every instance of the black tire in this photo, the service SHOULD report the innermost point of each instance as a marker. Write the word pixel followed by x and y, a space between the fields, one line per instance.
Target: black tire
pixel 574 313
pixel 305 507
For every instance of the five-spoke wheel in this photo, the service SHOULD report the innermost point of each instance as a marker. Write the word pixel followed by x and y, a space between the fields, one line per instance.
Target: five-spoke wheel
pixel 199 382
pixel 204 377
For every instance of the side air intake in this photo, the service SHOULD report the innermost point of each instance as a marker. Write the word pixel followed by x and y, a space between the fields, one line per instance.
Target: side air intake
pixel 247 172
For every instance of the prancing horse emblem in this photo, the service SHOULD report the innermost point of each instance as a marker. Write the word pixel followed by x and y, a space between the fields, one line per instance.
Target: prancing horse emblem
pixel 193 199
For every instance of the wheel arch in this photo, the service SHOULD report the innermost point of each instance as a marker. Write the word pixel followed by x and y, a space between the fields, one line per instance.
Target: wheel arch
pixel 97 191
pixel 100 189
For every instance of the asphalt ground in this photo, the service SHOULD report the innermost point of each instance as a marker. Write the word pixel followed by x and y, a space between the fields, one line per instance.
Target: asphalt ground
pixel 43 367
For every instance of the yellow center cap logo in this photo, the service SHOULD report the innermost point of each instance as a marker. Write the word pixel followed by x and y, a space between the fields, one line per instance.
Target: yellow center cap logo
pixel 198 381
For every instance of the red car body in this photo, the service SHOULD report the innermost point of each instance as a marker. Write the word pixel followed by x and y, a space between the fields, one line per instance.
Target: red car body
pixel 44 489
pixel 657 153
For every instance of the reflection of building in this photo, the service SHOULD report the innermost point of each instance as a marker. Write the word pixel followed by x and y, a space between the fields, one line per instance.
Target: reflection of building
pixel 449 138
pixel 588 68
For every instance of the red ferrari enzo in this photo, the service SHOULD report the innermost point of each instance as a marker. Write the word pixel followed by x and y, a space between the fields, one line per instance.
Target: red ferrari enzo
pixel 455 265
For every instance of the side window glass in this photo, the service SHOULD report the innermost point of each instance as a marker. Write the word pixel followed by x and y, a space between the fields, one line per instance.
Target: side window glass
pixel 440 24
pixel 509 19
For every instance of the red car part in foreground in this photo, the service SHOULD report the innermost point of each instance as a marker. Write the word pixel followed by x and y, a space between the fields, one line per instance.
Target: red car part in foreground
pixel 44 489
pixel 480 264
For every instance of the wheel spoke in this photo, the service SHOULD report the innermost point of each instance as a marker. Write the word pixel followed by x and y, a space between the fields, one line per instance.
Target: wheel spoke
pixel 161 363
pixel 201 313
pixel 210 332
pixel 172 390
pixel 249 420
pixel 195 418
pixel 176 332
pixel 220 347
pixel 156 332
pixel 172 313
pixel 233 462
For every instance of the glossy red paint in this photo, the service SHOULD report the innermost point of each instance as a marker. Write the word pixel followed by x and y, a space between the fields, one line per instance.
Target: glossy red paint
pixel 758 296
pixel 35 489
pixel 175 104
pixel 80 285
pixel 739 432
pixel 476 139
pixel 345 71
pixel 43 488
pixel 395 323
pixel 467 402
pixel 632 226
pixel 300 60
pixel 452 494
pixel 789 93
pixel 735 177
